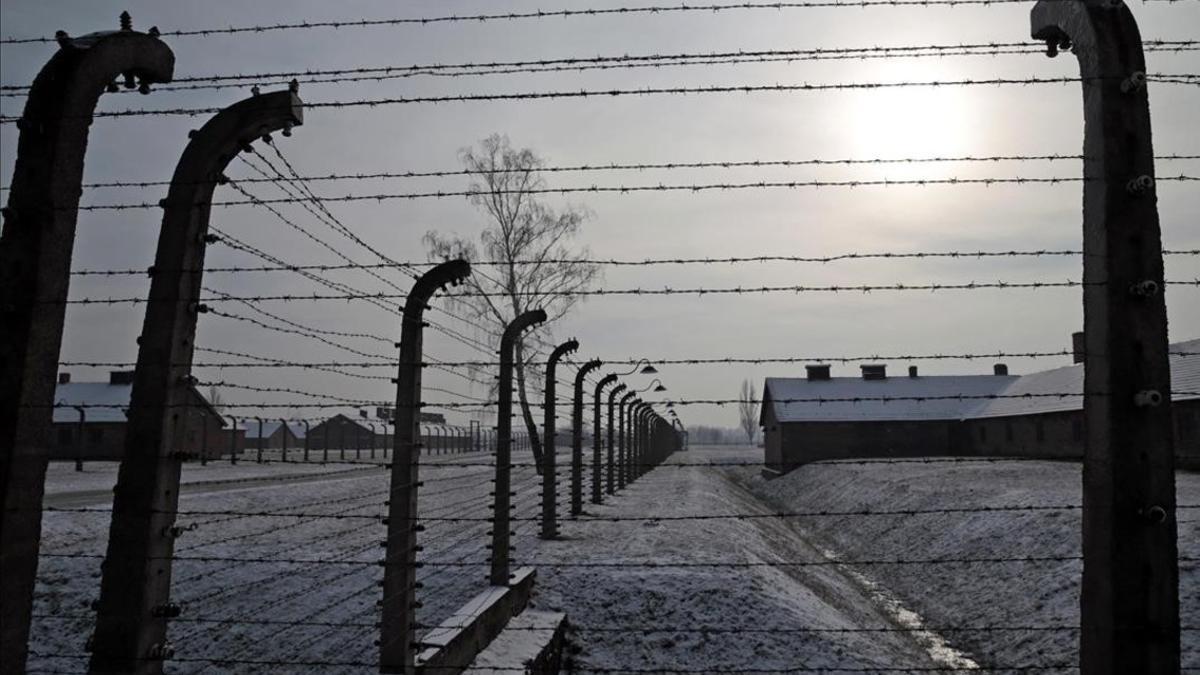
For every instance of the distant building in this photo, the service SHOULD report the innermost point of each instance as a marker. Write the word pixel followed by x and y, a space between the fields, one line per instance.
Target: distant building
pixel 98 433
pixel 342 432
pixel 275 434
pixel 878 414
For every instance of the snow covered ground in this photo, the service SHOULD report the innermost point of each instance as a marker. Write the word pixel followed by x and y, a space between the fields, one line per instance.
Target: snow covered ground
pixel 961 596
pixel 652 589
pixel 61 477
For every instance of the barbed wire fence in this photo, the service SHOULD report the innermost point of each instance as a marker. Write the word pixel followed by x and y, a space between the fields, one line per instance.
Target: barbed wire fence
pixel 268 578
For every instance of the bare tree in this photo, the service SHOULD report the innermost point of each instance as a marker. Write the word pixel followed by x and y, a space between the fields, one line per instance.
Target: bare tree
pixel 215 401
pixel 748 410
pixel 527 246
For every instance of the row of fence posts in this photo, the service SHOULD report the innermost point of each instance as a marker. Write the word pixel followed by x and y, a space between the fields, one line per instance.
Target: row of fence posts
pixel 1129 600
pixel 645 440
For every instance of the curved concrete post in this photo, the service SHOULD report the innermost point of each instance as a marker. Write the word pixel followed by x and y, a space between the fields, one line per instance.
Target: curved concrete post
pixel 1129 600
pixel 612 405
pixel 131 626
pixel 397 632
pixel 631 431
pixel 307 429
pixel 283 438
pixel 577 437
pixel 35 267
pixel 598 438
pixel 500 526
pixel 622 439
pixel 549 429
pixel 644 414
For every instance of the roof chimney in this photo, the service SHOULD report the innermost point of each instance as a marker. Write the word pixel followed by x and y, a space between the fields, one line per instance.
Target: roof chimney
pixel 1078 347
pixel 912 371
pixel 120 377
pixel 64 378
pixel 1000 369
pixel 817 371
pixel 874 371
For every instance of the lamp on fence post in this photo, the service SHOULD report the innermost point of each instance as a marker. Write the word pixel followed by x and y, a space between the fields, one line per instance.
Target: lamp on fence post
pixel 550 428
pixel 1129 599
pixel 397 628
pixel 622 438
pixel 577 437
pixel 612 404
pixel 135 584
pixel 35 267
pixel 500 504
pixel 598 438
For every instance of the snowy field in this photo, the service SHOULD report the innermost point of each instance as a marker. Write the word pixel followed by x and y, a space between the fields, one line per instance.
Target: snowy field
pixel 646 585
pixel 61 477
pixel 956 597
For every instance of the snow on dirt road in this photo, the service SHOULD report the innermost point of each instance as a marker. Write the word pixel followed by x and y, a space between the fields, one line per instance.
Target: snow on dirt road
pixel 742 612
pixel 283 577
pixel 997 613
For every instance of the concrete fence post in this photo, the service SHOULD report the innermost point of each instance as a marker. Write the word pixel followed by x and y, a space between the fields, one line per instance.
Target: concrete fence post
pixel 307 445
pixel 598 439
pixel 623 438
pixel 284 430
pixel 501 502
pixel 1129 600
pixel 612 404
pixel 261 440
pixel 80 428
pixel 233 445
pixel 35 268
pixel 397 628
pixel 134 606
pixel 577 437
pixel 549 429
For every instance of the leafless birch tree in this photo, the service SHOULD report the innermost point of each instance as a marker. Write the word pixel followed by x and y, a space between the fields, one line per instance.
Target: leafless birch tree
pixel 525 258
pixel 748 410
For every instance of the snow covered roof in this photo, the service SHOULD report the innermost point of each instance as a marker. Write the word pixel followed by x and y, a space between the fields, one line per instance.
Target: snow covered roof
pixel 1185 377
pixel 97 394
pixel 815 404
pixel 91 393
pixel 269 427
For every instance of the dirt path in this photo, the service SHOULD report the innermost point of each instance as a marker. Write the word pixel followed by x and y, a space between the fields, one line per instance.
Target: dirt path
pixel 709 595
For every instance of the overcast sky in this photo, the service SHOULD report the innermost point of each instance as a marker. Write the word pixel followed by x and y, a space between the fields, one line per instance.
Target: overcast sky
pixel 883 123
